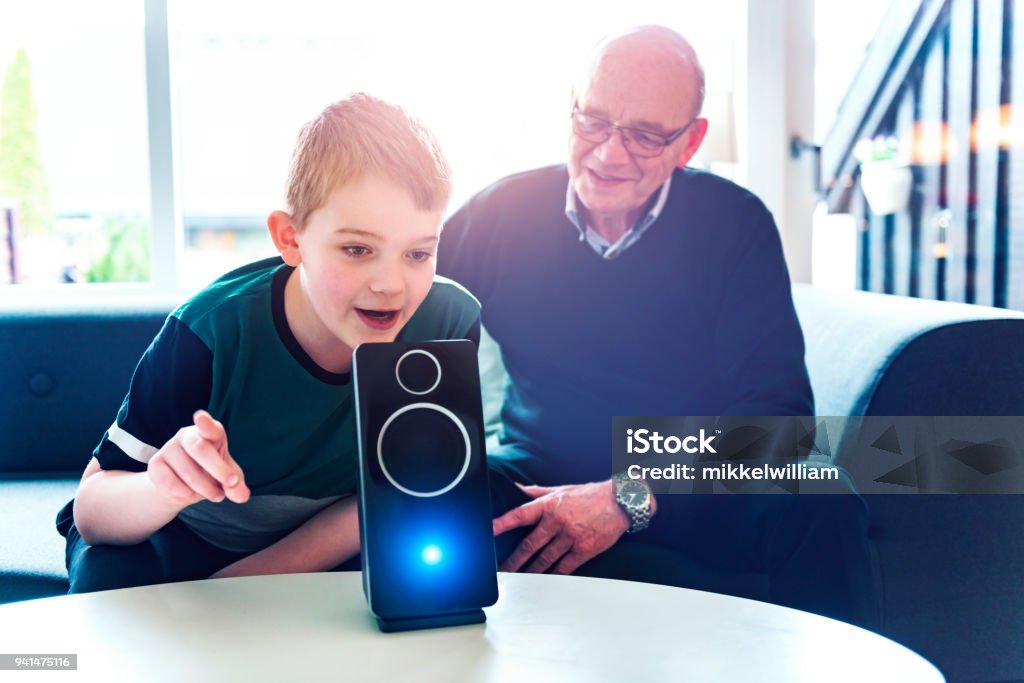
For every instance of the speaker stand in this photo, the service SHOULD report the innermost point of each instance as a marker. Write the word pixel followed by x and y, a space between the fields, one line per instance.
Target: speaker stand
pixel 475 616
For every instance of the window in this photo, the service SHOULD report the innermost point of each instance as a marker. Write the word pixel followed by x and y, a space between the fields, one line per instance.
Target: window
pixel 842 33
pixel 74 191
pixel 492 82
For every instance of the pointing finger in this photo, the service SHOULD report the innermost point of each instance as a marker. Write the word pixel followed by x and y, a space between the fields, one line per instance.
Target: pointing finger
pixel 211 459
pixel 210 429
pixel 237 492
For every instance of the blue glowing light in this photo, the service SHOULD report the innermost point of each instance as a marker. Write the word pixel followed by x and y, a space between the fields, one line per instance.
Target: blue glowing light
pixel 431 554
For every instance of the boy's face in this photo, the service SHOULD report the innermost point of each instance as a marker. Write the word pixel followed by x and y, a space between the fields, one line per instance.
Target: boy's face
pixel 366 261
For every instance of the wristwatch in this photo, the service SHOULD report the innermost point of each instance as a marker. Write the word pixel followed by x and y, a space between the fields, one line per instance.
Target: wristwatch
pixel 634 497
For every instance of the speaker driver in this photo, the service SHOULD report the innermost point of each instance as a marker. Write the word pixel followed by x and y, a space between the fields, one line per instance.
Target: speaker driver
pixel 423 450
pixel 418 372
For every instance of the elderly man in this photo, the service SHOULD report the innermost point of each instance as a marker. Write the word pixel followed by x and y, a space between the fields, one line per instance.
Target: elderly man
pixel 625 284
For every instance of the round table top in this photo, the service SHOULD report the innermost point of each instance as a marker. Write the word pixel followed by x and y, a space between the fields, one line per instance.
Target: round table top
pixel 312 627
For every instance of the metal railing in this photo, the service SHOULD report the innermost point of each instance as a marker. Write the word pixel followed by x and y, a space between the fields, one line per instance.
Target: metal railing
pixel 938 79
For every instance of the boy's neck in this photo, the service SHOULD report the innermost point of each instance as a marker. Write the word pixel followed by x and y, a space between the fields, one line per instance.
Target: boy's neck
pixel 315 339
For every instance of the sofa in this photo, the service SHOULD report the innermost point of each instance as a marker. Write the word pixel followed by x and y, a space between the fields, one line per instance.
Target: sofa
pixel 67 361
pixel 949 565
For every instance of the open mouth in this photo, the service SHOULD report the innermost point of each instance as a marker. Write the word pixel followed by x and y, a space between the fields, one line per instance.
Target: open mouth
pixel 378 319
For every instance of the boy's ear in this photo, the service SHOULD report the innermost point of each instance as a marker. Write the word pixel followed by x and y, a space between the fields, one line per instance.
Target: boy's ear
pixel 282 231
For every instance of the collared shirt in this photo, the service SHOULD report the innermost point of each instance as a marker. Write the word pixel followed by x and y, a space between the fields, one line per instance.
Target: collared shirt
pixel 605 249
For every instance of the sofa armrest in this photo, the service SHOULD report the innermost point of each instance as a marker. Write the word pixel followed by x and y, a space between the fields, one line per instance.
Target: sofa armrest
pixel 878 354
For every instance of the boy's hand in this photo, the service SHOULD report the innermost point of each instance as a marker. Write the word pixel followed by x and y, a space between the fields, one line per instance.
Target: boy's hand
pixel 195 465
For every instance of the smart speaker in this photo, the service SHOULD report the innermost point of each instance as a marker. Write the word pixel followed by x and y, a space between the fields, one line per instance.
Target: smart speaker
pixel 424 503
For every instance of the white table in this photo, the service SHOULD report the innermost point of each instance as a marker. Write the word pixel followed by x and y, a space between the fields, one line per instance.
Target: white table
pixel 316 627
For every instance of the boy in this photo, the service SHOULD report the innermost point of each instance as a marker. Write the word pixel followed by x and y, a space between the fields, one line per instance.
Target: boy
pixel 234 452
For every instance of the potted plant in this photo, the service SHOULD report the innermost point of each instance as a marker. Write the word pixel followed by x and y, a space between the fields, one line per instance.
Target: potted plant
pixel 885 175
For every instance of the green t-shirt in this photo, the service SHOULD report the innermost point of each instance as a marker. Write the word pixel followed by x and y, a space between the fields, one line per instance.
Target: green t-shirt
pixel 290 424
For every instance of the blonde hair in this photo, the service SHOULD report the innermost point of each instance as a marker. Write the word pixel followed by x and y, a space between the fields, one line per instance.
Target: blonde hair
pixel 363 135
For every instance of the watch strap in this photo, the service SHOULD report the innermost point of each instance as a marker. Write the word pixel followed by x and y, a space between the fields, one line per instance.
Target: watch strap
pixel 639 515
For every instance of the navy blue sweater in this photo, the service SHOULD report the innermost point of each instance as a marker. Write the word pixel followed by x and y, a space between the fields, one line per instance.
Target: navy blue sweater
pixel 696 318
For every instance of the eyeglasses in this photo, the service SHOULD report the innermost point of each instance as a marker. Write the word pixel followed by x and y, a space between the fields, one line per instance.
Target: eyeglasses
pixel 639 142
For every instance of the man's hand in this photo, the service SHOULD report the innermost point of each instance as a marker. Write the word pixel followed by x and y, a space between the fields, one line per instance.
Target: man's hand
pixel 196 465
pixel 574 523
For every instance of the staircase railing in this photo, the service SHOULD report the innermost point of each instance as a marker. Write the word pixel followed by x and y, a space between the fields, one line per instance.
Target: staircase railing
pixel 938 78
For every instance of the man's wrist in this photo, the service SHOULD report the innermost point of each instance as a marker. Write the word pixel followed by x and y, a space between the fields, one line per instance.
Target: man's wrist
pixel 626 519
pixel 654 499
pixel 634 498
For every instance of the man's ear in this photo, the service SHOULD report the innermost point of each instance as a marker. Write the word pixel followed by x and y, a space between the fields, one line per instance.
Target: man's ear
pixel 283 233
pixel 693 138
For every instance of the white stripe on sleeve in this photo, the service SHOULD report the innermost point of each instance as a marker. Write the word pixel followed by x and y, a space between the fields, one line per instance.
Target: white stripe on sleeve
pixel 136 449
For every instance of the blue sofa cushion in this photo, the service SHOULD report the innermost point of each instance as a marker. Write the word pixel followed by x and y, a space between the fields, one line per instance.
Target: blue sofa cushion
pixel 68 371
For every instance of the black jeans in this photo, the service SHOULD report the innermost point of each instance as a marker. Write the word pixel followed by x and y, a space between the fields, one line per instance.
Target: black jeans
pixel 173 553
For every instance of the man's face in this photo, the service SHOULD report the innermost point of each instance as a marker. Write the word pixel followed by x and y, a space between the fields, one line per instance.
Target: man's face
pixel 367 263
pixel 634 93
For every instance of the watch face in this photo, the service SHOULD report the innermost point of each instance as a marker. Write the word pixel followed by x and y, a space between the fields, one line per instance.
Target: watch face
pixel 633 493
